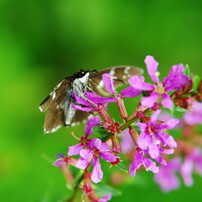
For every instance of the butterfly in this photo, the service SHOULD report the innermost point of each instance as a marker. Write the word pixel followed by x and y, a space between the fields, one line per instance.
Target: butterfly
pixel 59 101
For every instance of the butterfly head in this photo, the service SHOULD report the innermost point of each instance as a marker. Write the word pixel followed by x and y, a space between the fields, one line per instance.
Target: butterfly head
pixel 81 73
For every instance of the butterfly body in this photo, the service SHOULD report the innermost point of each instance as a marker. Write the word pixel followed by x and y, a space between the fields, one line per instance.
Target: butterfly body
pixel 59 102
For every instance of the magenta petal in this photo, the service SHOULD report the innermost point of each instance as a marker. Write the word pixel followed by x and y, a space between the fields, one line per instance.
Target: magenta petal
pixel 105 198
pixel 167 101
pixel 59 162
pixel 176 79
pixel 149 101
pixel 98 144
pixel 152 66
pixel 186 171
pixel 153 150
pixel 143 141
pixel 85 109
pixel 166 151
pixel 142 126
pixel 108 81
pixel 75 149
pixel 150 165
pixel 171 123
pixel 92 122
pixel 82 163
pixel 86 154
pixel 81 101
pixel 167 140
pixel 93 97
pixel 96 174
pixel 137 82
pixel 166 177
pixel 107 156
pixel 155 115
pixel 130 92
pixel 160 160
pixel 194 116
pixel 135 165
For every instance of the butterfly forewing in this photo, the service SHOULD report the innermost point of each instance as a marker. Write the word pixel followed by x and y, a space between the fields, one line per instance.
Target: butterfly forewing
pixel 54 103
pixel 59 102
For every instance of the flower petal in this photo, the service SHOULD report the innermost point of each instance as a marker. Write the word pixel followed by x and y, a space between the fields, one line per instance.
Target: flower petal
pixel 108 81
pixel 96 174
pixel 176 79
pixel 105 198
pixel 167 101
pixel 59 162
pixel 82 163
pixel 92 122
pixel 150 165
pixel 137 82
pixel 93 97
pixel 135 165
pixel 186 171
pixel 149 101
pixel 152 66
pixel 155 115
pixel 107 156
pixel 85 109
pixel 130 92
pixel 166 140
pixel 75 149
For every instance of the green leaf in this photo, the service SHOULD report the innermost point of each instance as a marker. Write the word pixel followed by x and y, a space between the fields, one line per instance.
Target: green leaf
pixel 187 70
pixel 196 82
pixel 122 167
pixel 179 109
pixel 101 133
pixel 102 190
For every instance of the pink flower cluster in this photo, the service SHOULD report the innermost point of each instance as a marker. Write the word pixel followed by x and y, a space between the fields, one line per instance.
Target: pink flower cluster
pixel 149 137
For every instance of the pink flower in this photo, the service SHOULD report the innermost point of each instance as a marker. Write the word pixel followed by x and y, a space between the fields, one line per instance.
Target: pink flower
pixel 96 148
pixel 140 160
pixel 175 80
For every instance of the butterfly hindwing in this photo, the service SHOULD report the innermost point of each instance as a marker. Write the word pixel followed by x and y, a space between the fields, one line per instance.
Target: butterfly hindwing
pixel 121 75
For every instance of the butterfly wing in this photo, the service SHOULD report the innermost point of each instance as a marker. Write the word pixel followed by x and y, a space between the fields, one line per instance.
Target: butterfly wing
pixel 120 73
pixel 55 103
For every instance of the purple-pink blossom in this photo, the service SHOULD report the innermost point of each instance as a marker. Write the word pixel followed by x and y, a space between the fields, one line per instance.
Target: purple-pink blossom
pixel 152 135
pixel 194 116
pixel 141 160
pixel 175 80
pixel 166 177
pixel 95 148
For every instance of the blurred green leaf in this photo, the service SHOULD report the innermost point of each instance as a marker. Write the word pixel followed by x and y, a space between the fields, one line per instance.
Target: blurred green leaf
pixel 187 70
pixel 196 81
pixel 101 133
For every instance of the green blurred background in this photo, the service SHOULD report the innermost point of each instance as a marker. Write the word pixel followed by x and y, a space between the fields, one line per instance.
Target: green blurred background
pixel 43 41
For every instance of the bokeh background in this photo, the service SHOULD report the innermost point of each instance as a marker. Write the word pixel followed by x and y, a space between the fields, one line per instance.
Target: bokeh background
pixel 43 41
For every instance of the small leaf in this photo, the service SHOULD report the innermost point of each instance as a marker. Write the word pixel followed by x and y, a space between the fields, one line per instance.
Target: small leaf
pixel 101 133
pixel 102 190
pixel 179 109
pixel 122 167
pixel 196 81
pixel 187 70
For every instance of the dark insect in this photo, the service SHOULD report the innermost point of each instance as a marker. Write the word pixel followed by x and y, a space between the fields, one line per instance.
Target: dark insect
pixel 59 102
